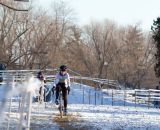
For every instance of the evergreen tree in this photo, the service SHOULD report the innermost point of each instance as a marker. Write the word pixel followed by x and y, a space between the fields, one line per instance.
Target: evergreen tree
pixel 156 37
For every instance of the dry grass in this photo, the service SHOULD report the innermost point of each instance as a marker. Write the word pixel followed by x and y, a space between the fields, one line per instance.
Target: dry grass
pixel 69 117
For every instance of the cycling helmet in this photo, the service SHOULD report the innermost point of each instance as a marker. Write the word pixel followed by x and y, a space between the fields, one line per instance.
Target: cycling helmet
pixel 63 68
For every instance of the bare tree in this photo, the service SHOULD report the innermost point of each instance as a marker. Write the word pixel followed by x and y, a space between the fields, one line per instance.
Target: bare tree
pixel 11 30
pixel 100 37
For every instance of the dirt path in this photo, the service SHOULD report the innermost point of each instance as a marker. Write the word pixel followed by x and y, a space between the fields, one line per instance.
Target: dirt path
pixel 71 122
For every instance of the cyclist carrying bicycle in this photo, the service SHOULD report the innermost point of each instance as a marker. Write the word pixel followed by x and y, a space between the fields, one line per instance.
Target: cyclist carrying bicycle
pixel 62 81
pixel 41 78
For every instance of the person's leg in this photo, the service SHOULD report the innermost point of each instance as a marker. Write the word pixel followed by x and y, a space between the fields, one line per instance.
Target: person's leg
pixel 40 90
pixel 40 96
pixel 64 93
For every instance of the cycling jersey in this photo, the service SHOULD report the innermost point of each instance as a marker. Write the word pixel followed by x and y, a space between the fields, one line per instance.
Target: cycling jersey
pixel 62 79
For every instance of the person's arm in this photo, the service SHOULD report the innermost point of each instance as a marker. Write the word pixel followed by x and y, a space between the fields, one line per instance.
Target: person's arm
pixel 56 80
pixel 68 83
pixel 68 80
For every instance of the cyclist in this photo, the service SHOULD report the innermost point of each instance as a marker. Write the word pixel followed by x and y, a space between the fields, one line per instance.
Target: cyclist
pixel 41 78
pixel 62 80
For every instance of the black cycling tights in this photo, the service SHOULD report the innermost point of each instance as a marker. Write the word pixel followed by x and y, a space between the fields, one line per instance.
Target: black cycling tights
pixel 64 92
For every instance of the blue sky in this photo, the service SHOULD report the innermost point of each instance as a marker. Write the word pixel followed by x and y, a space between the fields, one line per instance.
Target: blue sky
pixel 121 11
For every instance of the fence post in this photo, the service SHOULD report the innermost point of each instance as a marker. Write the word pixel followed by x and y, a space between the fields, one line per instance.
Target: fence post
pixel 101 98
pixel 89 96
pixel 135 98
pixel 21 111
pixel 124 98
pixel 29 110
pixel 83 94
pixel 148 99
pixel 81 82
pixel 10 106
pixel 95 97
pixel 112 97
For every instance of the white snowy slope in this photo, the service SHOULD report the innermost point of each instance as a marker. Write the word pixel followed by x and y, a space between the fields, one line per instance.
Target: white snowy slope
pixel 108 117
pixel 90 113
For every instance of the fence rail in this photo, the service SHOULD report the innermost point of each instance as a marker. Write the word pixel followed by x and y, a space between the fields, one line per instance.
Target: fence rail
pixel 97 96
pixel 148 98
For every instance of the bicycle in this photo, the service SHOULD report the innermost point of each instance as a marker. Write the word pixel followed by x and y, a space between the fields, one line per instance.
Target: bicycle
pixel 60 102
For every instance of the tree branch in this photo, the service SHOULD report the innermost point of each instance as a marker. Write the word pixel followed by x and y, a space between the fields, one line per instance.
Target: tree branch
pixel 14 9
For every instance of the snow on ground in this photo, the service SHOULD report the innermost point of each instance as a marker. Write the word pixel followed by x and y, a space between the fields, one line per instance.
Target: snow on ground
pixel 106 117
pixel 90 114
